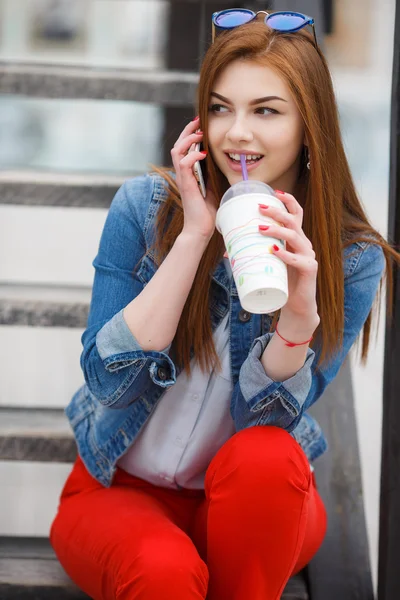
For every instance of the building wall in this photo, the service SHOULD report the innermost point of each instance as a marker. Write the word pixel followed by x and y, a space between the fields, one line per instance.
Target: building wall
pixel 363 89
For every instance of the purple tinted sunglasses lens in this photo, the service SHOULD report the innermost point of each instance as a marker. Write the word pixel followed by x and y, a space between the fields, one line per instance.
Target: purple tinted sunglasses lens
pixel 285 22
pixel 233 18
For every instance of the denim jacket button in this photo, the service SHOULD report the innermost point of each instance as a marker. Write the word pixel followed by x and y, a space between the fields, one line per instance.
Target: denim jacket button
pixel 244 316
pixel 162 373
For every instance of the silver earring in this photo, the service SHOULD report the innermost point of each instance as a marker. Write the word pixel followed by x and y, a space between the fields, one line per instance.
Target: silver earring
pixel 308 160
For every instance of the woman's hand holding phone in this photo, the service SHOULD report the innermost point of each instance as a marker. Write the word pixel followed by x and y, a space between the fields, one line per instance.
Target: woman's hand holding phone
pixel 199 212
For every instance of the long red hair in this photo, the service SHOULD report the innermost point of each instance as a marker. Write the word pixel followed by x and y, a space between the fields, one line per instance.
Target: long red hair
pixel 333 215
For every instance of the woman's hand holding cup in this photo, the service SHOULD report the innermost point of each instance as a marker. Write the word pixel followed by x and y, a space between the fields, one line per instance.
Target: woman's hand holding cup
pixel 299 257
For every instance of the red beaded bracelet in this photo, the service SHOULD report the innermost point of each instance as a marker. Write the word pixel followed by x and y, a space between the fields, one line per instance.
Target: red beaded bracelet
pixel 292 344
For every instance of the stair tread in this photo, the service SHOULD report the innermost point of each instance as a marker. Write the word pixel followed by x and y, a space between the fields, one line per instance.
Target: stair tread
pixel 166 88
pixel 36 434
pixel 30 565
pixel 43 313
pixel 74 190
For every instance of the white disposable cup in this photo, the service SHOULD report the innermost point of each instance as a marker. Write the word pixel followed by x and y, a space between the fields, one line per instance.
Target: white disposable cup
pixel 260 276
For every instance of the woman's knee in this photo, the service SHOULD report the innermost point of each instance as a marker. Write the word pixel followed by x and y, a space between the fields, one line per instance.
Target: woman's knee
pixel 261 453
pixel 163 570
pixel 54 533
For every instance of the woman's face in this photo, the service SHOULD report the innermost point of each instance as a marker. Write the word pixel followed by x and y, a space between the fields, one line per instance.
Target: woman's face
pixel 251 111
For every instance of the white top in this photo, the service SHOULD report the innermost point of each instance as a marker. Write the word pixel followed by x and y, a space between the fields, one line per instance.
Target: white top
pixel 189 425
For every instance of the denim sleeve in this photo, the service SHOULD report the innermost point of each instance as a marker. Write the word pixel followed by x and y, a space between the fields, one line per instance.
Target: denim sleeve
pixel 258 400
pixel 116 369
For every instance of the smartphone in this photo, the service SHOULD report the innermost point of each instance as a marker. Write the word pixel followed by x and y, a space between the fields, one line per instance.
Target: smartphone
pixel 198 170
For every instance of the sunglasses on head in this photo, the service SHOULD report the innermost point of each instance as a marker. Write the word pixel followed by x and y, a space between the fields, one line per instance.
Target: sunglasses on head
pixel 284 21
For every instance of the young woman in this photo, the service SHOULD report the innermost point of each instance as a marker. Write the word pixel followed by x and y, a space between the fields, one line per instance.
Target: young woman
pixel 193 479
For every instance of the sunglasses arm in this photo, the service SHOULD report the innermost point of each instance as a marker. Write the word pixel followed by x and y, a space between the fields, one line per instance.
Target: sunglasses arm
pixel 315 36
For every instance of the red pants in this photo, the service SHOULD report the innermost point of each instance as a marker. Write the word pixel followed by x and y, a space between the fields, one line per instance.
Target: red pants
pixel 259 521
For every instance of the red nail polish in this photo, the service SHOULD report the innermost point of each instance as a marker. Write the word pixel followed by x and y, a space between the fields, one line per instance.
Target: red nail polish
pixel 263 206
pixel 204 152
pixel 275 247
pixel 195 119
pixel 279 192
pixel 263 227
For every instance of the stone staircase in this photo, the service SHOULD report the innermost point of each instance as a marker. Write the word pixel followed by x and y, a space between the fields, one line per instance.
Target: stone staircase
pixel 28 566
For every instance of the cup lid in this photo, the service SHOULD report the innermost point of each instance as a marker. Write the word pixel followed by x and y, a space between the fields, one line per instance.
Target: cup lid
pixel 251 186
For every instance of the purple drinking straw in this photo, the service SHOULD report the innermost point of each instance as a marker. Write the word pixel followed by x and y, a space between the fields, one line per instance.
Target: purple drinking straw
pixel 244 167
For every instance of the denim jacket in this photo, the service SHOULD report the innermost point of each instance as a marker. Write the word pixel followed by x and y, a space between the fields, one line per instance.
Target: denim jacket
pixel 123 383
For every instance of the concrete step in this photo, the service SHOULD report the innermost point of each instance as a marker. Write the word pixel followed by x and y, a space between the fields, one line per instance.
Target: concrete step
pixel 166 88
pixel 38 188
pixel 37 313
pixel 35 434
pixel 29 570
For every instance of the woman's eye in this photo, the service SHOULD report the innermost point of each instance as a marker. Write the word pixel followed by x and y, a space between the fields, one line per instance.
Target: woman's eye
pixel 263 110
pixel 218 108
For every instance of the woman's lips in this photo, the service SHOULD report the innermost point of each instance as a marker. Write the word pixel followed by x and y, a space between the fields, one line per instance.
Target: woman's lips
pixel 237 167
